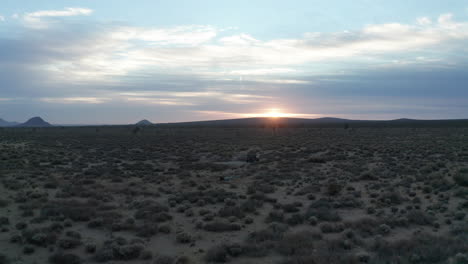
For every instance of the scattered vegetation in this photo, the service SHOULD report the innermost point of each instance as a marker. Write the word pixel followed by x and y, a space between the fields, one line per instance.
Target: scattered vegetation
pixel 302 195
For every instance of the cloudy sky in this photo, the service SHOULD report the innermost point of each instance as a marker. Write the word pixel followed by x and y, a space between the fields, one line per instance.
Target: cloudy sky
pixel 119 61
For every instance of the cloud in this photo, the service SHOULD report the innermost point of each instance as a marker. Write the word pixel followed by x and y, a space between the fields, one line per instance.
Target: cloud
pixel 74 100
pixel 192 98
pixel 69 11
pixel 204 68
pixel 268 71
pixel 2 18
pixel 35 19
pixel 424 21
pixel 103 52
pixel 196 48
pixel 183 35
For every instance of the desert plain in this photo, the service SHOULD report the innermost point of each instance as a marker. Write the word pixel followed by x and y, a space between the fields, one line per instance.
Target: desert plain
pixel 165 195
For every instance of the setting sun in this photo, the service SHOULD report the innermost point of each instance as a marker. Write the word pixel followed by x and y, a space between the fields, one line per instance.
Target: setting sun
pixel 277 113
pixel 274 112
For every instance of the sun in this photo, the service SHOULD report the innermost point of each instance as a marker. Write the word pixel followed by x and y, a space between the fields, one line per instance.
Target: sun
pixel 274 113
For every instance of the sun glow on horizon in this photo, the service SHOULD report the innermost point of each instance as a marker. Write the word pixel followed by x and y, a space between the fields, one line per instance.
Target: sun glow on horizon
pixel 275 113
pixel 272 113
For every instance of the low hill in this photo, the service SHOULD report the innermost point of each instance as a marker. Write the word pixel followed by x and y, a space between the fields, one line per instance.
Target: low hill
pixel 35 122
pixel 264 121
pixel 144 122
pixel 318 122
pixel 4 123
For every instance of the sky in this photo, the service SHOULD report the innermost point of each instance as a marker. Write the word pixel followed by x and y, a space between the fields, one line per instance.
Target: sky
pixel 119 61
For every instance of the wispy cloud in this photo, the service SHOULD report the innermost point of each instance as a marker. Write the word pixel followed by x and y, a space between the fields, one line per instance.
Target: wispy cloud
pixel 160 101
pixel 2 18
pixel 267 71
pixel 74 100
pixel 69 11
pixel 180 35
pixel 35 19
pixel 192 98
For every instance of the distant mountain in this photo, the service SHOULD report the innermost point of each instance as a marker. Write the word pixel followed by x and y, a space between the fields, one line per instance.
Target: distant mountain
pixel 4 123
pixel 318 122
pixel 144 122
pixel 35 122
pixel 265 121
pixel 400 120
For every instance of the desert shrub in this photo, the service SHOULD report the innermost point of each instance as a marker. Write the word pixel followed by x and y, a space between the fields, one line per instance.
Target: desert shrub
pixel 295 219
pixel 366 226
pixel 166 229
pixel 4 220
pixel 41 237
pixel 73 234
pixel 384 229
pixel 324 252
pixel 334 188
pixel 21 225
pixel 275 216
pixel 127 224
pixel 4 203
pixel 460 229
pixel 347 201
pixel 66 243
pixel 260 187
pixel 161 217
pixel 227 211
pixel 317 160
pixel 127 252
pixel 423 248
pixel 118 249
pixel 146 230
pixel 461 178
pixel 291 207
pixel 396 221
pixel 50 184
pixel 301 243
pixel 366 176
pixel 323 210
pixel 273 232
pixel 28 250
pixel 251 205
pixel 164 259
pixel 221 227
pixel 96 223
pixel 183 260
pixel 207 196
pixel 217 254
pixel 61 258
pixel 391 198
pixel 309 189
pixel 74 210
pixel 418 217
pixel 331 228
pixel 183 238
pixel 148 209
pixel 90 248
pixel 4 259
pixel 257 250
